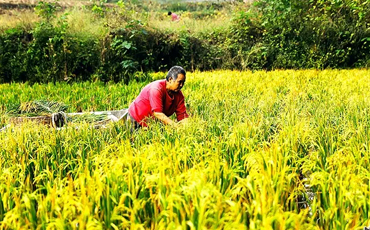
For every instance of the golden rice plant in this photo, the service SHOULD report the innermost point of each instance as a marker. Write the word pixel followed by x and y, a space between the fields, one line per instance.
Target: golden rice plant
pixel 257 145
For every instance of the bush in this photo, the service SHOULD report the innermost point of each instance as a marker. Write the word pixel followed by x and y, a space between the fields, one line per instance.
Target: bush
pixel 13 55
pixel 318 34
pixel 272 34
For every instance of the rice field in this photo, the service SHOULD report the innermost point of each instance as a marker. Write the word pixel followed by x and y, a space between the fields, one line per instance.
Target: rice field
pixel 262 150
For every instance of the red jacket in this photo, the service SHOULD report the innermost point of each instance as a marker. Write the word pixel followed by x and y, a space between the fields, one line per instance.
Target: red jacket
pixel 154 98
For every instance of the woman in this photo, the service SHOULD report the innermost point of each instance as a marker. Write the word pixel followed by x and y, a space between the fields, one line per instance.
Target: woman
pixel 160 99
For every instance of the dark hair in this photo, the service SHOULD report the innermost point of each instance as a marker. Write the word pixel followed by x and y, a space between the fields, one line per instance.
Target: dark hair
pixel 169 12
pixel 174 72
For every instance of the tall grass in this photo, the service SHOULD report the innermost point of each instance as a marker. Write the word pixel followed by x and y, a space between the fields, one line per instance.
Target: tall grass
pixel 191 25
pixel 84 19
pixel 236 165
pixel 18 18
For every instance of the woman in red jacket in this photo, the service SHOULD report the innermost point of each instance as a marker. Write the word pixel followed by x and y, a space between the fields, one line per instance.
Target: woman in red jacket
pixel 160 99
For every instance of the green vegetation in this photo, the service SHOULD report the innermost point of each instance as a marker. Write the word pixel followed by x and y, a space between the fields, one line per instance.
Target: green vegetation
pixel 111 42
pixel 253 142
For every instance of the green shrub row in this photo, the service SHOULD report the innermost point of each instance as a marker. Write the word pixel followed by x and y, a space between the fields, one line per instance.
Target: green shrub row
pixel 268 35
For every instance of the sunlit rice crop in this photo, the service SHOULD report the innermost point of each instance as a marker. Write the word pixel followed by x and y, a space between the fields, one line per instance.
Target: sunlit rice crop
pixel 254 144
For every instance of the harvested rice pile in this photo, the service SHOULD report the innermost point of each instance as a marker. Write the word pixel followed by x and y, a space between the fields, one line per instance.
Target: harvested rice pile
pixel 36 108
pixel 89 118
pixel 46 108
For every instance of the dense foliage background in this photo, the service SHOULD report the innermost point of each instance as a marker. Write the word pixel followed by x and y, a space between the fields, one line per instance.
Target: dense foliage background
pixel 121 38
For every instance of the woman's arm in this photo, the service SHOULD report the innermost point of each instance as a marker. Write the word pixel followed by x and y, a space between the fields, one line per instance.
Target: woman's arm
pixel 162 117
